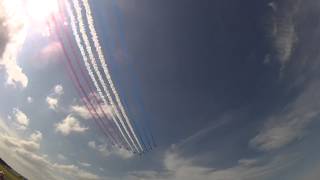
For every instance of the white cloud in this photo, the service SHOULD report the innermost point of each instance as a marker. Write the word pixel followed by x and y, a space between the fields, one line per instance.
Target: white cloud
pixel 92 144
pixel 107 150
pixel 24 156
pixel 32 144
pixel 179 168
pixel 29 100
pixel 14 142
pixel 289 125
pixel 53 99
pixel 104 149
pixel 70 124
pixel 83 112
pixel 58 89
pixel 84 164
pixel 22 120
pixel 52 102
pixel 61 157
pixel 76 172
pixel 36 137
pixel 12 36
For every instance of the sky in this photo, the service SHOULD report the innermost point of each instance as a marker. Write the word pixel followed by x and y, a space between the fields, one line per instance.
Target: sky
pixel 228 89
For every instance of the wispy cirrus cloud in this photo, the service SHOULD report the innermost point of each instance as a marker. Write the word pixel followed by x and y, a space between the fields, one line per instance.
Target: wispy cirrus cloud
pixel 178 167
pixel 283 30
pixel 289 125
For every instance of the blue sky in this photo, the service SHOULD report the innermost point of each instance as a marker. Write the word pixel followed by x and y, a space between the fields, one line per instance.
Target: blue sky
pixel 229 90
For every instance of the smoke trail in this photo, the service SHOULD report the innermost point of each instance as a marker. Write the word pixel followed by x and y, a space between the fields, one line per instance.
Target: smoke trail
pixel 105 67
pixel 87 81
pixel 85 58
pixel 76 81
pixel 134 78
pixel 89 49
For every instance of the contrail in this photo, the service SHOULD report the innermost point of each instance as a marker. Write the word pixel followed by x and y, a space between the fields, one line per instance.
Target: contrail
pixel 76 81
pixel 134 77
pixel 91 56
pixel 95 101
pixel 105 67
pixel 87 64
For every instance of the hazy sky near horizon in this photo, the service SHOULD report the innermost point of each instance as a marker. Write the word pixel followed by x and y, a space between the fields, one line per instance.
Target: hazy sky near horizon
pixel 230 90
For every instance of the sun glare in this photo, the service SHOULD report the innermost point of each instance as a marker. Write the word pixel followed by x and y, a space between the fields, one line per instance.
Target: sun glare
pixel 41 10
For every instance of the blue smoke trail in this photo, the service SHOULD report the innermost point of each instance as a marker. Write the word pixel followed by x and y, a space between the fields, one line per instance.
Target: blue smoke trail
pixel 148 134
pixel 109 51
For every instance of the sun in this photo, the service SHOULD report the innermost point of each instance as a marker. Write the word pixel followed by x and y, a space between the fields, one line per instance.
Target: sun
pixel 41 10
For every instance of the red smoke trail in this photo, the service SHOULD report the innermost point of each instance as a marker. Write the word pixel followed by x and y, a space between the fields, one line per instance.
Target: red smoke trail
pixel 79 87
pixel 89 86
pixel 87 81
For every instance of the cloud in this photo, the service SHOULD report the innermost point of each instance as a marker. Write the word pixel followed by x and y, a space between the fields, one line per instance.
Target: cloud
pixel 22 120
pixel 32 144
pixel 289 125
pixel 52 102
pixel 106 150
pixel 58 90
pixel 13 142
pixel 53 99
pixel 29 100
pixel 273 5
pixel 25 157
pixel 12 36
pixel 92 144
pixel 68 125
pixel 36 137
pixel 61 157
pixel 84 164
pixel 76 172
pixel 283 29
pixel 180 168
pixel 4 38
pixel 42 168
pixel 83 112
pixel 285 38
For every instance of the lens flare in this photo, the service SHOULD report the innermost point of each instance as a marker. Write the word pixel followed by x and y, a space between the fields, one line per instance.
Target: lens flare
pixel 40 10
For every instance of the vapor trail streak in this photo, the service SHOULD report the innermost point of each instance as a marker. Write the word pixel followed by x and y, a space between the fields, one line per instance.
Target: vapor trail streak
pixel 76 81
pixel 105 124
pixel 134 77
pixel 87 64
pixel 105 67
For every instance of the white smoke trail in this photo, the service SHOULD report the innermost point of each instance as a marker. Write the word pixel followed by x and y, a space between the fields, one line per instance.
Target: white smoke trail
pixel 105 66
pixel 88 67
